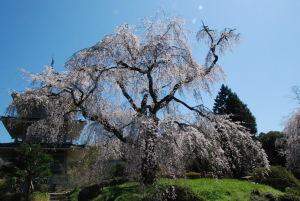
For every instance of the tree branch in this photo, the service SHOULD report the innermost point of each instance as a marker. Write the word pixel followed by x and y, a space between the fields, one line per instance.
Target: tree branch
pixel 127 96
pixel 105 123
pixel 189 107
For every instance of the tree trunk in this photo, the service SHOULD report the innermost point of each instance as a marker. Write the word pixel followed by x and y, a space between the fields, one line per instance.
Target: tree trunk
pixel 149 166
pixel 29 187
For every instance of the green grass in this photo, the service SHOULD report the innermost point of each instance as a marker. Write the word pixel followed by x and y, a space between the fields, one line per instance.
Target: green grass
pixel 222 189
pixel 210 189
pixel 39 196
pixel 74 195
pixel 128 191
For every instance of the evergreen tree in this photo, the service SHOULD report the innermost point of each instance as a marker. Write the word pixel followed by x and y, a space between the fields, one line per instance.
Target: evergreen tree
pixel 228 102
pixel 30 168
pixel 272 148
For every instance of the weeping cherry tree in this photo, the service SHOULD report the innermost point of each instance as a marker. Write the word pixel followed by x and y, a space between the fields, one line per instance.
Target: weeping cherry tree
pixel 132 87
pixel 291 143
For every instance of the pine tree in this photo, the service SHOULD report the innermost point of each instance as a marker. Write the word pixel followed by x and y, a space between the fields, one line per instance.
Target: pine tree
pixel 228 102
pixel 30 168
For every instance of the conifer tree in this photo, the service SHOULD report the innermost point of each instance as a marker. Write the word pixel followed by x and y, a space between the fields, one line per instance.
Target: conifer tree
pixel 228 102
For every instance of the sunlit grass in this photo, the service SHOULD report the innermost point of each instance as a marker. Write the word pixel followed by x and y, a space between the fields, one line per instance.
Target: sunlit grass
pixel 39 196
pixel 210 189
pixel 222 189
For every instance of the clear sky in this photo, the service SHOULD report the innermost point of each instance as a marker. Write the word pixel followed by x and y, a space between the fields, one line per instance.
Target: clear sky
pixel 261 69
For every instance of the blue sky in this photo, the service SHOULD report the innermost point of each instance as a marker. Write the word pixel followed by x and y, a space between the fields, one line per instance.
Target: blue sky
pixel 261 69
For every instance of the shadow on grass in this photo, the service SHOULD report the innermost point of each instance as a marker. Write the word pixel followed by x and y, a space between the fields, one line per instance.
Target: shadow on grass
pixel 121 193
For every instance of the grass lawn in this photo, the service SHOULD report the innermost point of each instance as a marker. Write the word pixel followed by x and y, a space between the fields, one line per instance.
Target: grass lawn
pixel 39 196
pixel 222 189
pixel 210 189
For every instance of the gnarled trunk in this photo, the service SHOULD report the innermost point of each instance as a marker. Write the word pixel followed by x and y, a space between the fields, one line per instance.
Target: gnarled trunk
pixel 149 166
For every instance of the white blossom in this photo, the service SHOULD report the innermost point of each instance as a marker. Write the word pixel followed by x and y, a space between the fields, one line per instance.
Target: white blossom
pixel 130 86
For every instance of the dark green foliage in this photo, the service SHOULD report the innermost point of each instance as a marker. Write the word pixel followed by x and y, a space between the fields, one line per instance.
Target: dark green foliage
pixel 228 102
pixel 13 197
pixel 118 170
pixel 29 169
pixel 268 141
pixel 271 197
pixel 289 198
pixel 89 192
pixel 277 177
pixel 198 164
pixel 293 191
pixel 292 194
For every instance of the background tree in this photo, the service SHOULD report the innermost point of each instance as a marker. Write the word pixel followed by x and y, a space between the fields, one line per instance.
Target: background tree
pixel 291 143
pixel 228 102
pixel 271 144
pixel 30 168
pixel 130 87
pixel 292 137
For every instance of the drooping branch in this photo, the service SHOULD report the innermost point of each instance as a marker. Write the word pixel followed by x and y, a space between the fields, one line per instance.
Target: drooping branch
pixel 127 96
pixel 199 112
pixel 104 122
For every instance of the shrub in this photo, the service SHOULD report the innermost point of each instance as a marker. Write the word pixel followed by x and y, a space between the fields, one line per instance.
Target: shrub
pixel 118 170
pixel 89 192
pixel 13 197
pixel 44 188
pixel 293 191
pixel 93 191
pixel 277 177
pixel 289 198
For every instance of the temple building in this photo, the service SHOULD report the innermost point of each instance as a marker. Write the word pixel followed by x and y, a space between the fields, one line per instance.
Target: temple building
pixel 64 154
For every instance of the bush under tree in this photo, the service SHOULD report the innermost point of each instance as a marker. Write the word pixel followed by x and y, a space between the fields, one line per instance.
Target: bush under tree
pixel 277 177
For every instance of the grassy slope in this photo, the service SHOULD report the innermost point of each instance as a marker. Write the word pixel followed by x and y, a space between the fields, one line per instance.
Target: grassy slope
pixel 211 189
pixel 223 189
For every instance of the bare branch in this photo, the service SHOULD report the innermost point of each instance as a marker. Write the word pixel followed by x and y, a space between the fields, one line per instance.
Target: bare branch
pixel 127 96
